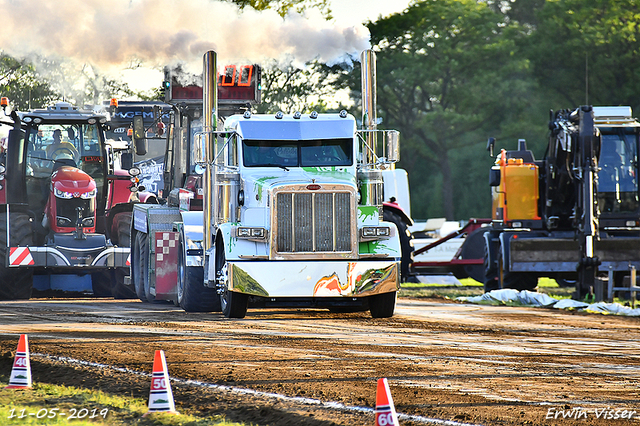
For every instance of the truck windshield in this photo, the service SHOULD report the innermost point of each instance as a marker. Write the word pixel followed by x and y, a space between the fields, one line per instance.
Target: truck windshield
pixel 306 153
pixel 618 175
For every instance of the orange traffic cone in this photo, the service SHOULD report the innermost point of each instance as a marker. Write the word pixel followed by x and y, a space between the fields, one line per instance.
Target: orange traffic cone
pixel 385 411
pixel 160 397
pixel 21 371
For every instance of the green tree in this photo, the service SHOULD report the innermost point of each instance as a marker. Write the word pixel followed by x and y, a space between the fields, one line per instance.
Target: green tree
pixel 284 6
pixel 586 52
pixel 448 74
pixel 289 88
pixel 24 87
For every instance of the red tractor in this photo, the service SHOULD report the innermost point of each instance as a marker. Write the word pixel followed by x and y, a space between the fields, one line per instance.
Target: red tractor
pixel 64 206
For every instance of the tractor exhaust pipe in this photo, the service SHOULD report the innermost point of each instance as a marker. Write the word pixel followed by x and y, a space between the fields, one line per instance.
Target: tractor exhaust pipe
pixel 210 122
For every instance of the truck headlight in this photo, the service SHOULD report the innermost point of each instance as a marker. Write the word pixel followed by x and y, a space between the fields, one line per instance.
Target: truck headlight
pixel 370 233
pixel 62 194
pixel 251 233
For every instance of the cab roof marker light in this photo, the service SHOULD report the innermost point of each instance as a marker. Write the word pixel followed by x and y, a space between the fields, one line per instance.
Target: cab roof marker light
pixel 297 115
pixel 247 114
pixel 314 114
pixel 343 114
pixel 279 115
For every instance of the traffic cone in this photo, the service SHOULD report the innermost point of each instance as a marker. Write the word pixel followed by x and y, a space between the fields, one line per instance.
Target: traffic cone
pixel 385 411
pixel 21 371
pixel 160 397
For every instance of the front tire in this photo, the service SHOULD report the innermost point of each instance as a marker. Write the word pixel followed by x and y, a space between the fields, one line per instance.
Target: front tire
pixel 382 305
pixel 15 283
pixel 120 290
pixel 232 304
pixel 140 264
pixel 193 296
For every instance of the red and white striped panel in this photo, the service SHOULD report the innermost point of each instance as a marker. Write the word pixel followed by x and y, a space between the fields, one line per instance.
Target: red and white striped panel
pixel 20 256
pixel 128 260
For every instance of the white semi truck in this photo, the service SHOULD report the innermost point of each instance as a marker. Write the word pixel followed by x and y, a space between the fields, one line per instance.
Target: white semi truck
pixel 270 210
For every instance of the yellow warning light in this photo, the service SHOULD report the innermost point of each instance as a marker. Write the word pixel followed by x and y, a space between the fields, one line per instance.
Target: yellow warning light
pixel 4 101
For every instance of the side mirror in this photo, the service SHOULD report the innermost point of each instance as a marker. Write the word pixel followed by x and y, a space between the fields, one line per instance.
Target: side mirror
pixel 393 145
pixel 490 144
pixel 139 135
pixel 494 176
pixel 199 149
pixel 126 160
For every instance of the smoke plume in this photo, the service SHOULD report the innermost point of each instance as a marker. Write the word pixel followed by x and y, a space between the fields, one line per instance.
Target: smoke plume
pixel 109 34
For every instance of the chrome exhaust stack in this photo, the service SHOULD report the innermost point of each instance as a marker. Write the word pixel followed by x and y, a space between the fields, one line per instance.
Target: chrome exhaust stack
pixel 210 122
pixel 369 103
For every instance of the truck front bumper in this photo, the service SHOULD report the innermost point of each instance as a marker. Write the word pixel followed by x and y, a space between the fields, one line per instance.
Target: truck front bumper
pixel 313 278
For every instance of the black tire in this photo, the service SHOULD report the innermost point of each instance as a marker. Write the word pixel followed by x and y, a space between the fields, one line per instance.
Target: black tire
pixel 193 296
pixel 140 264
pixel 123 225
pixel 406 243
pixel 473 248
pixel 515 280
pixel 382 305
pixel 564 283
pixel 120 290
pixel 15 283
pixel 101 283
pixel 490 280
pixel 232 304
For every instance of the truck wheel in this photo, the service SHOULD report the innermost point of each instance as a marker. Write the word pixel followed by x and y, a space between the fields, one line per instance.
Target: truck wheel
pixel 473 248
pixel 193 296
pixel 406 243
pixel 120 290
pixel 490 272
pixel 140 264
pixel 15 283
pixel 515 280
pixel 101 283
pixel 232 304
pixel 382 305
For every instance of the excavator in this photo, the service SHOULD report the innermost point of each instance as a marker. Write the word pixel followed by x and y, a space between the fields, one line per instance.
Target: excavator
pixel 573 216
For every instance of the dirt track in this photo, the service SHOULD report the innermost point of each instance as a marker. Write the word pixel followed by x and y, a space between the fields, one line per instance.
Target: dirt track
pixel 448 361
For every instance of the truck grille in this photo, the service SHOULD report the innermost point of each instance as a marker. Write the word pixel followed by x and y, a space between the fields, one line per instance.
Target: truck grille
pixel 311 222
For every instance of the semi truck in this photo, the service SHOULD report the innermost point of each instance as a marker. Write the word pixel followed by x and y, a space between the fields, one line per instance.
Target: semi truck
pixel 61 202
pixel 573 216
pixel 270 210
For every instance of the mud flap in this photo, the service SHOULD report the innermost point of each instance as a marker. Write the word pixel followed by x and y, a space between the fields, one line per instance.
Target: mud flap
pixel 166 264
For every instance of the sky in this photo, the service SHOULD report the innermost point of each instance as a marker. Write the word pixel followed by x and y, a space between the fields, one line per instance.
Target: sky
pixel 112 35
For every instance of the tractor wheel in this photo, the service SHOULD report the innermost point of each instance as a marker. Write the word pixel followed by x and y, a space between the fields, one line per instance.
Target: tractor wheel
pixel 406 243
pixel 120 290
pixel 490 280
pixel 140 264
pixel 382 305
pixel 15 283
pixel 473 248
pixel 193 296
pixel 515 280
pixel 232 304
